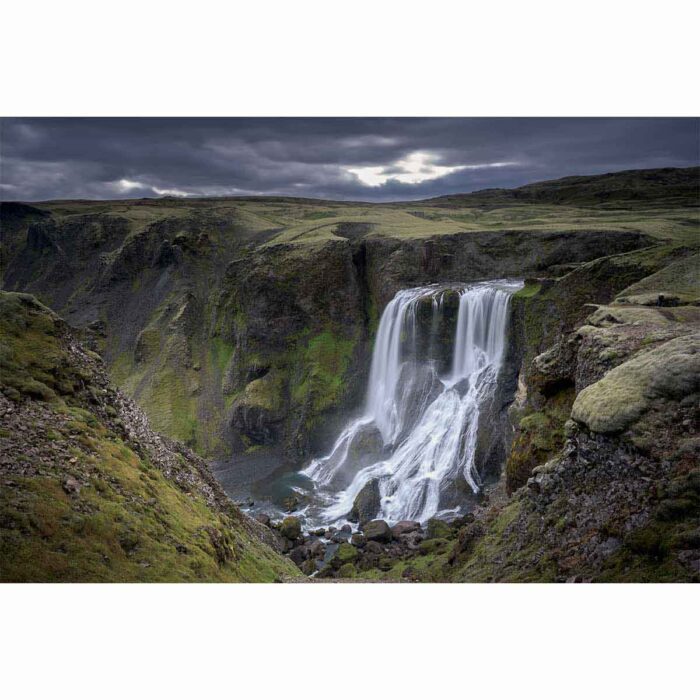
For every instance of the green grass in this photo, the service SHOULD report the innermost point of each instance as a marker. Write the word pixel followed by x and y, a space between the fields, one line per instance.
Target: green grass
pixel 304 222
pixel 129 522
pixel 530 288
pixel 30 354
pixel 680 279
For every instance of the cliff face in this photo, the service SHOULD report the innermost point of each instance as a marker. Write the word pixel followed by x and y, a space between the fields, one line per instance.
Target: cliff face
pixel 89 491
pixel 479 255
pixel 617 495
pixel 603 465
pixel 235 338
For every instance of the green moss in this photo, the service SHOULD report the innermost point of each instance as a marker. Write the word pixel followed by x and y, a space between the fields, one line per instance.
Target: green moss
pixel 220 353
pixel 128 523
pixel 650 553
pixel 424 567
pixel 167 399
pixel 31 359
pixel 266 392
pixel 324 361
pixel 486 562
pixel 347 571
pixel 437 528
pixel 346 553
pixel 434 545
pixel 626 393
pixel 539 437
pixel 148 344
pixel 530 288
pixel 290 527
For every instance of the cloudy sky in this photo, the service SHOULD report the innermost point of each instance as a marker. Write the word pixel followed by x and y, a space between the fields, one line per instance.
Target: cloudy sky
pixel 373 159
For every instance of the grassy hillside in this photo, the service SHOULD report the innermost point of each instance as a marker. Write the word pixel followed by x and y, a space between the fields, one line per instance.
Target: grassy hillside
pixel 663 203
pixel 88 492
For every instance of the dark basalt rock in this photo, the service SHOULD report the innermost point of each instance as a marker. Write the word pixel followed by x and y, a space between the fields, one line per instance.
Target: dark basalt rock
pixel 405 527
pixel 378 531
pixel 367 503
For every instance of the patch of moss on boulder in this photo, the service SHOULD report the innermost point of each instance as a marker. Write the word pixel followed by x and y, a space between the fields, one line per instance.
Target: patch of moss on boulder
pixel 290 528
pixel 627 392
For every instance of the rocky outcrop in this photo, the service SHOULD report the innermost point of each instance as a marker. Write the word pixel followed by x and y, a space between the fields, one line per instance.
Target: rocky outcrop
pixel 367 503
pixel 615 495
pixel 395 264
pixel 648 383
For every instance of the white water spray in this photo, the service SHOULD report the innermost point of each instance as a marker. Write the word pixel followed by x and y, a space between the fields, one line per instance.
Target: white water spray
pixel 425 426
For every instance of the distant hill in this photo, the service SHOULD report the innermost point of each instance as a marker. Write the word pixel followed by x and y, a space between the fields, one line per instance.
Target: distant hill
pixel 667 186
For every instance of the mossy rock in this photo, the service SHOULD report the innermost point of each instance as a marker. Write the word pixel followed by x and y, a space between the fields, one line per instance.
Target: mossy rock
pixel 540 435
pixel 291 528
pixel 627 392
pixel 436 528
pixel 347 571
pixel 345 553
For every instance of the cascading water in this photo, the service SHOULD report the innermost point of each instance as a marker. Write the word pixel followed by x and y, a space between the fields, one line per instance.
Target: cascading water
pixel 419 430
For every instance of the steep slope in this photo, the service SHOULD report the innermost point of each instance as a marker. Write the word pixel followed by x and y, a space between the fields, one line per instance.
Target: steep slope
pixel 88 491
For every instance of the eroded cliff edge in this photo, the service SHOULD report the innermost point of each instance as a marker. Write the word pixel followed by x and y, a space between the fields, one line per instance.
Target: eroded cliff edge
pixel 235 344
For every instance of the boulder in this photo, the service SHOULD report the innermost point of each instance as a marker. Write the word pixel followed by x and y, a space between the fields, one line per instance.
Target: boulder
pixel 340 536
pixel 71 486
pixel 405 527
pixel 298 555
pixel 377 531
pixel 309 567
pixel 345 554
pixel 373 547
pixel 367 503
pixel 316 549
pixel 626 393
pixel 437 529
pixel 263 519
pixel 358 540
pixel 347 571
pixel 291 528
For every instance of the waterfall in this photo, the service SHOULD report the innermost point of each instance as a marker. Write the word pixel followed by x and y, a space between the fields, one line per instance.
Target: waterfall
pixel 417 436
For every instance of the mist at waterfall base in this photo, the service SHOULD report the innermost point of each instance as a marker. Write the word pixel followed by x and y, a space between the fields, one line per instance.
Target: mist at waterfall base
pixel 435 366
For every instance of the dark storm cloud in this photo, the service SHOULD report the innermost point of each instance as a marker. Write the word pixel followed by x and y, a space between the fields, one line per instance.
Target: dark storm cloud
pixel 331 158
